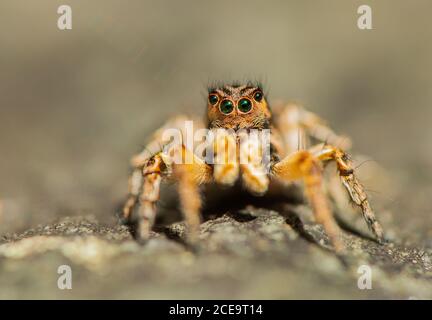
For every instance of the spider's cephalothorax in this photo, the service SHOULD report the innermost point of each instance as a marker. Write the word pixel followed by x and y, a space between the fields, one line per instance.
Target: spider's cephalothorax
pixel 232 108
pixel 238 107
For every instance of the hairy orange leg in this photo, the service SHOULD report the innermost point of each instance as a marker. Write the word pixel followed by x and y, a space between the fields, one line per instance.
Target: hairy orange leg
pixel 190 176
pixel 297 125
pixel 158 167
pixel 157 141
pixel 352 185
pixel 149 196
pixel 304 165
pixel 135 184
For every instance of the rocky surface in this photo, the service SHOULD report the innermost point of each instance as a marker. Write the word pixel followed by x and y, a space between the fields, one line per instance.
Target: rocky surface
pixel 74 107
pixel 250 253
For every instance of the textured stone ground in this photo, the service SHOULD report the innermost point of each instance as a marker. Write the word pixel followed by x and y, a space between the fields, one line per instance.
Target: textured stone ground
pixel 249 253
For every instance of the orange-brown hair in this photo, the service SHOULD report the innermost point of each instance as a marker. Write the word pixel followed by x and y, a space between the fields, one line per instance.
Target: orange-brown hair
pixel 238 106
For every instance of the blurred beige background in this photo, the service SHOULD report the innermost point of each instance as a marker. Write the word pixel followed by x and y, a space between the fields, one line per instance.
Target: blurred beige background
pixel 75 105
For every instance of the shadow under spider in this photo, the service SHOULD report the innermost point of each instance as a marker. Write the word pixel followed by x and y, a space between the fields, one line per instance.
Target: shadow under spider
pixel 234 201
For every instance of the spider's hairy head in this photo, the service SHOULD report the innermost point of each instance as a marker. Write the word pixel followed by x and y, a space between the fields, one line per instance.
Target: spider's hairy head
pixel 238 106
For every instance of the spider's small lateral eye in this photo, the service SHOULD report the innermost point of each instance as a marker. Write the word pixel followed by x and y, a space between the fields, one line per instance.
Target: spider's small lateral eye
pixel 245 105
pixel 226 106
pixel 213 99
pixel 258 96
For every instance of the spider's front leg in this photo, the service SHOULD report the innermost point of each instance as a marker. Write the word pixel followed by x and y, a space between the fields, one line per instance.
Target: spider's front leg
pixel 351 183
pixel 303 165
pixel 190 176
pixel 160 166
pixel 144 189
pixel 151 150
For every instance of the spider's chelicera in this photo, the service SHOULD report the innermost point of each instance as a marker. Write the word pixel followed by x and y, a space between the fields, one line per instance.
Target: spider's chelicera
pixel 248 142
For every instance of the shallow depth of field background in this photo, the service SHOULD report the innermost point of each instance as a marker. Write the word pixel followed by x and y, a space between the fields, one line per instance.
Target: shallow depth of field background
pixel 75 105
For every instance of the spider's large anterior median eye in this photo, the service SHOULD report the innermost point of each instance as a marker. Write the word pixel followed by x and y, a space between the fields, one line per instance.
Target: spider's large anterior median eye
pixel 213 99
pixel 258 96
pixel 245 105
pixel 226 106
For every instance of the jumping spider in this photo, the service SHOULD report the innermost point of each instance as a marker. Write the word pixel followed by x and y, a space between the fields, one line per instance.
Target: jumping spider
pixel 236 107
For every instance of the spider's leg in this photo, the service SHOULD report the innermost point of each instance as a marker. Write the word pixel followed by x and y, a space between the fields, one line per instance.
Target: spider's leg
pixel 297 126
pixel 190 201
pixel 135 184
pixel 149 196
pixel 157 142
pixel 351 184
pixel 304 165
pixel 190 176
pixel 140 160
pixel 152 165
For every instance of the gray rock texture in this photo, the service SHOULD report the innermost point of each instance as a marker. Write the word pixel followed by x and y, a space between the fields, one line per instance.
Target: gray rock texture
pixel 249 254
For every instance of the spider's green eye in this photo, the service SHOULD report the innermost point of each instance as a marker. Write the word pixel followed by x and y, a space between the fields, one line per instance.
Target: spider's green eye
pixel 213 99
pixel 258 96
pixel 245 105
pixel 226 106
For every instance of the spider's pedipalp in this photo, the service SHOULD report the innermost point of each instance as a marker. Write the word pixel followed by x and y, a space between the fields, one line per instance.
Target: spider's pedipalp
pixel 252 163
pixel 226 166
